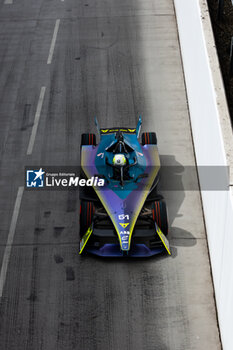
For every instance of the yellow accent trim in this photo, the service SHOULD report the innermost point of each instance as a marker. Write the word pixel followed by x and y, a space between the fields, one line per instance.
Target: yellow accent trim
pixel 127 131
pixel 164 240
pixel 124 225
pixel 85 239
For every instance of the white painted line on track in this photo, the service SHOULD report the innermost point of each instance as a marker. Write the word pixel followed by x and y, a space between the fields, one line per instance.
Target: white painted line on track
pixel 53 42
pixel 10 239
pixel 8 2
pixel 36 121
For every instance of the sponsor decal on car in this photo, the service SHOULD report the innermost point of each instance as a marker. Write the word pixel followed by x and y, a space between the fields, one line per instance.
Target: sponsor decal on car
pixel 123 217
pixel 124 233
pixel 125 238
pixel 124 225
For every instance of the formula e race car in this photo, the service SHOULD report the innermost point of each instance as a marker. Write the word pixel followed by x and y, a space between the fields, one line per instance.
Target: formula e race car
pixel 126 216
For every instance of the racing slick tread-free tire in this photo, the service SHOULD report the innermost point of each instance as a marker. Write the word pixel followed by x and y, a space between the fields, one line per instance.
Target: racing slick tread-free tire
pixel 86 216
pixel 149 138
pixel 88 139
pixel 159 212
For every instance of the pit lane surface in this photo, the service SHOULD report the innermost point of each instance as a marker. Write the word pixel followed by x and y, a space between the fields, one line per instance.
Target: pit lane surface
pixel 116 60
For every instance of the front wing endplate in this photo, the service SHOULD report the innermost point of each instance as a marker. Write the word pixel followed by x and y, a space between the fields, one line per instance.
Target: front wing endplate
pixel 85 238
pixel 164 240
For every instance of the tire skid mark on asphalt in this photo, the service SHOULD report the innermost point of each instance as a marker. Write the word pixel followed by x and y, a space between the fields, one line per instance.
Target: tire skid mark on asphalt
pixel 32 299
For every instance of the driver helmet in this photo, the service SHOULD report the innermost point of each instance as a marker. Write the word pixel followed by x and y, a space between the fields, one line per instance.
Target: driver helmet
pixel 119 159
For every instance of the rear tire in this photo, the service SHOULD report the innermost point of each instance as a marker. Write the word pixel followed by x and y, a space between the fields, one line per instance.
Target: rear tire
pixel 86 216
pixel 159 212
pixel 149 138
pixel 88 139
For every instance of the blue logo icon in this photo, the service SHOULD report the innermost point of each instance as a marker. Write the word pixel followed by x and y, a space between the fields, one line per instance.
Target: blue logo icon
pixel 125 246
pixel 35 178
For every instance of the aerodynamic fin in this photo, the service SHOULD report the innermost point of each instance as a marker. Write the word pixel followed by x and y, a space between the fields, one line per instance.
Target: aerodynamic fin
pixel 164 240
pixel 138 127
pixel 85 238
pixel 97 125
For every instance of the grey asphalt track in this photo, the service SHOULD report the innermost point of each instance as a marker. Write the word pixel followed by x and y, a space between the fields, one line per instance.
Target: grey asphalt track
pixel 116 60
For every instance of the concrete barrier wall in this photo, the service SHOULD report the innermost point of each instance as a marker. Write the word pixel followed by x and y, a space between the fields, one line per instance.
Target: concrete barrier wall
pixel 213 143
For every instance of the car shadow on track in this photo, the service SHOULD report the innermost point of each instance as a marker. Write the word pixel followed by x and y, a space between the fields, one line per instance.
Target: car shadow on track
pixel 177 182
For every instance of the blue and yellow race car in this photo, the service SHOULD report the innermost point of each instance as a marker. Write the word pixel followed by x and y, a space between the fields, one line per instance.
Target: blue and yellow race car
pixel 126 216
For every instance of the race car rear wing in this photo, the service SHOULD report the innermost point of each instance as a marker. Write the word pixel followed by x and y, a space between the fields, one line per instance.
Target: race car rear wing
pixel 124 130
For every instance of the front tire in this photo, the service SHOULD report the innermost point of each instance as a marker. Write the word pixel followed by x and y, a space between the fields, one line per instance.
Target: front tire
pixel 86 216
